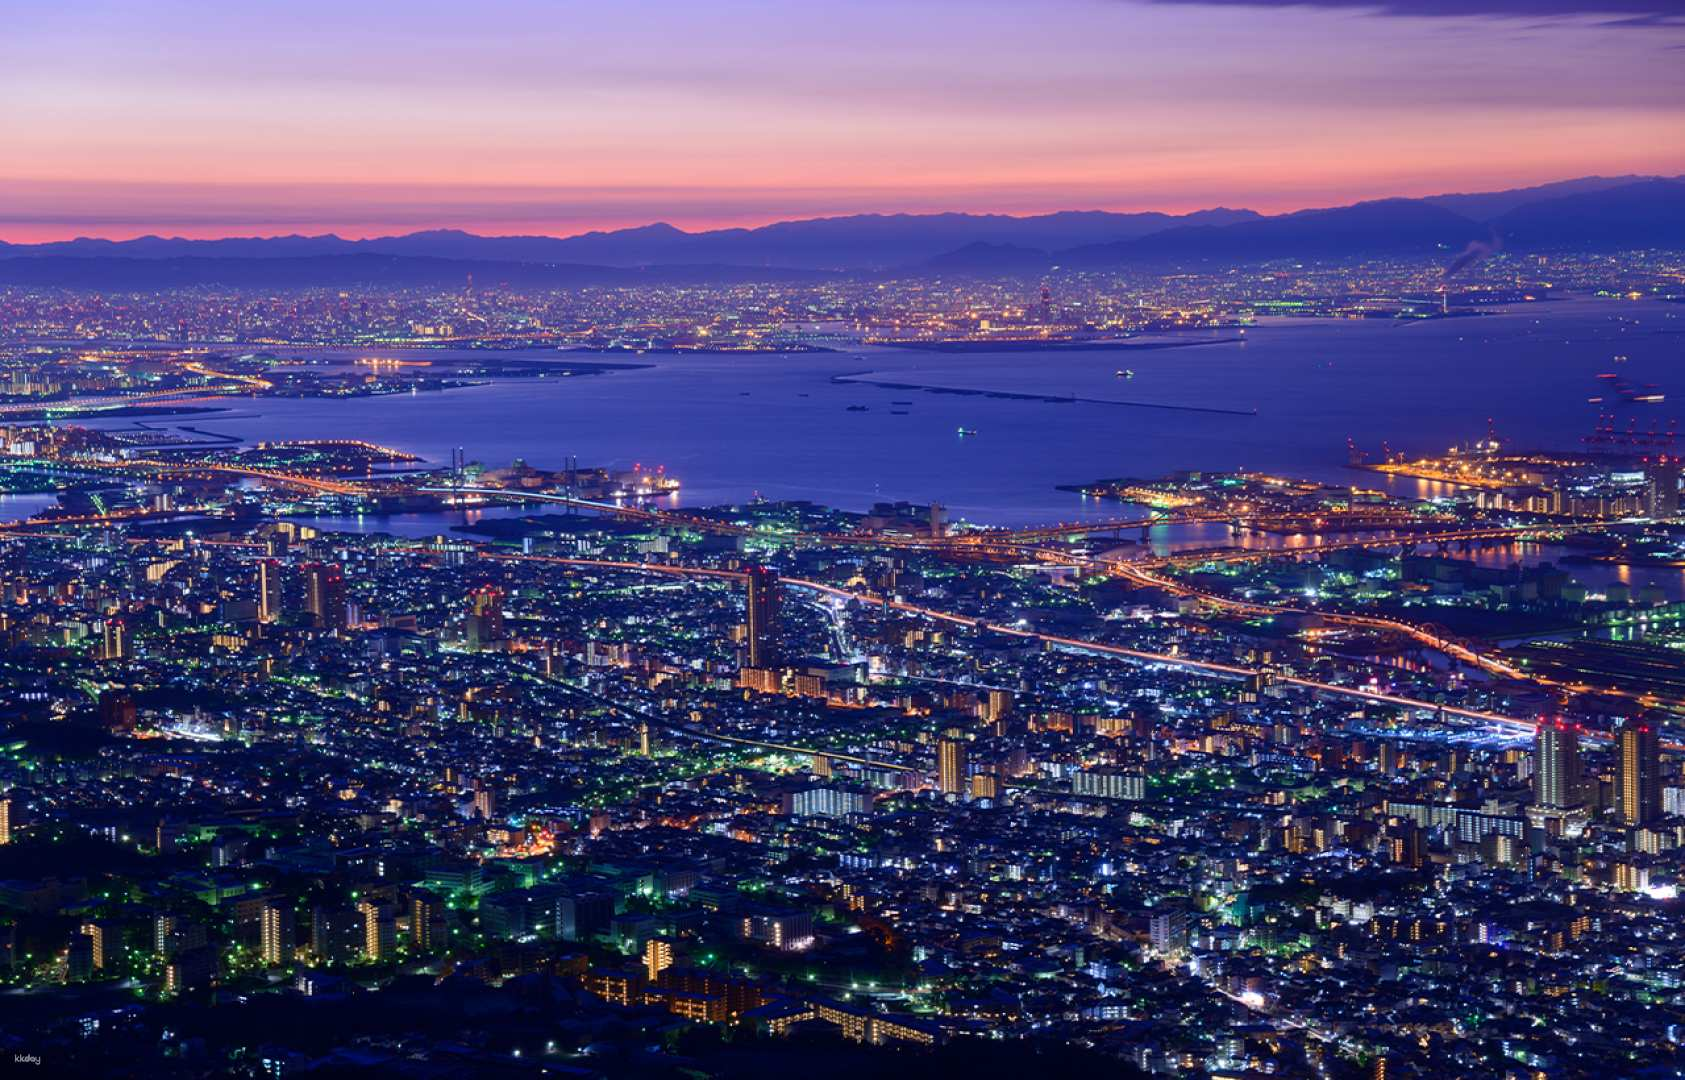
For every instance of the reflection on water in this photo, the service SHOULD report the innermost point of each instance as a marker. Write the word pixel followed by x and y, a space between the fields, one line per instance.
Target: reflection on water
pixel 731 426
pixel 18 507
pixel 1595 576
pixel 416 526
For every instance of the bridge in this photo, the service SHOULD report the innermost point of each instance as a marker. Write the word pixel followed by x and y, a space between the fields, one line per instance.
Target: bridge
pixel 1305 522
pixel 626 512
pixel 180 396
pixel 209 470
pixel 252 382
pixel 1441 539
pixel 981 538
pixel 1426 633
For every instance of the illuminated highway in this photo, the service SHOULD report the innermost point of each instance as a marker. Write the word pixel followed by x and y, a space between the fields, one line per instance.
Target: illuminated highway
pixel 1211 667
pixel 631 513
pixel 178 396
pixel 990 543
pixel 979 539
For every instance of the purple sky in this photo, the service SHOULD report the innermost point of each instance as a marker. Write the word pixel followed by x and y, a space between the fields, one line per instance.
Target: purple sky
pixel 553 116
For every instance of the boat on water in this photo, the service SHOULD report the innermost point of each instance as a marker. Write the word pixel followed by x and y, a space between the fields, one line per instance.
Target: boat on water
pixel 966 432
pixel 1627 393
pixel 1124 373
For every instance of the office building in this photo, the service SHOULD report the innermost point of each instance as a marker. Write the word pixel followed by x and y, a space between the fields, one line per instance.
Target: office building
pixel 324 596
pixel 762 641
pixel 277 935
pixel 268 591
pixel 658 956
pixel 1662 477
pixel 1638 787
pixel 79 958
pixel 116 642
pixel 1556 765
pixel 1109 782
pixel 379 931
pixel 99 943
pixel 1167 932
pixel 950 765
pixel 338 935
pixel 484 623
pixel 829 800
pixel 427 922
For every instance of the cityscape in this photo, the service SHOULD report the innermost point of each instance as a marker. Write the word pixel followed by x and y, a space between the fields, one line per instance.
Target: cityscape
pixel 983 627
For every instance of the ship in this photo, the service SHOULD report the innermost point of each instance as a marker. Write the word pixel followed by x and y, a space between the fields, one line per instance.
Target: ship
pixel 1626 393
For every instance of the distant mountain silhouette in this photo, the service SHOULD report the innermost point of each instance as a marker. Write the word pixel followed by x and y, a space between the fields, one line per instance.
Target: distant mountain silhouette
pixel 1384 227
pixel 1590 213
pixel 330 271
pixel 1646 214
pixel 1490 205
pixel 859 242
pixel 989 259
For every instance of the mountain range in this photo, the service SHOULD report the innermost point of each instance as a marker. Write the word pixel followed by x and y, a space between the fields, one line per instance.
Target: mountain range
pixel 1587 214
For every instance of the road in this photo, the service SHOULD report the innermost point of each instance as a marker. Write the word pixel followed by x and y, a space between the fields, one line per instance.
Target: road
pixel 1209 667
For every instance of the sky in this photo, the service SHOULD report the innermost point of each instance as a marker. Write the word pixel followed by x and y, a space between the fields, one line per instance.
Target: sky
pixel 370 117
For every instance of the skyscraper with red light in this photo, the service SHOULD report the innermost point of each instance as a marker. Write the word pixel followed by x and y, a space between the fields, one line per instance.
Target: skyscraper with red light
pixel 1556 765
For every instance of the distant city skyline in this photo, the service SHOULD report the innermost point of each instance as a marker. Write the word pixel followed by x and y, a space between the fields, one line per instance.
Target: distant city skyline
pixel 182 119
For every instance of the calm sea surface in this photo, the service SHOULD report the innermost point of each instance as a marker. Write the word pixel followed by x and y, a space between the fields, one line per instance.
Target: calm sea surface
pixel 782 426
pixel 778 425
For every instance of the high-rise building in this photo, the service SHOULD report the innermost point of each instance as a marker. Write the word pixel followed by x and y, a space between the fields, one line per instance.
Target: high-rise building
pixel 658 956
pixel 5 820
pixel 79 959
pixel 165 928
pixel 1638 790
pixel 484 624
pixel 763 618
pixel 117 711
pixel 830 800
pixel 338 935
pixel 1556 765
pixel 427 922
pixel 190 969
pixel 324 593
pixel 116 644
pixel 98 940
pixel 1167 931
pixel 1662 473
pixel 1405 846
pixel 277 933
pixel 1109 782
pixel 950 765
pixel 268 591
pixel 584 915
pixel 379 931
pixel 171 935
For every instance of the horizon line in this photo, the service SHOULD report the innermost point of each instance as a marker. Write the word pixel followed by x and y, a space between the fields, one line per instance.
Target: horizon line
pixel 27 230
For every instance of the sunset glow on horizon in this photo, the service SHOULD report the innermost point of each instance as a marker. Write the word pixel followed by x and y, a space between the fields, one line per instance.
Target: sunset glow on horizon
pixel 556 118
